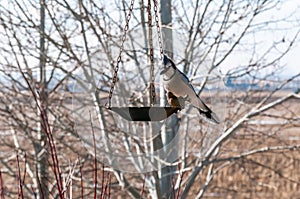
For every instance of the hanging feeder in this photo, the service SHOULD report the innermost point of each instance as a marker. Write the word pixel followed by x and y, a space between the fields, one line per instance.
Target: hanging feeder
pixel 145 113
pixel 148 113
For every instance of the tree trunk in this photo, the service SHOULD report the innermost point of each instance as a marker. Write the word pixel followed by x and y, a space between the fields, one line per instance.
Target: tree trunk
pixel 41 142
pixel 171 126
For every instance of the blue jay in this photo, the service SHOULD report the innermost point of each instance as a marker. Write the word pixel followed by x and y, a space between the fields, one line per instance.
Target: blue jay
pixel 177 84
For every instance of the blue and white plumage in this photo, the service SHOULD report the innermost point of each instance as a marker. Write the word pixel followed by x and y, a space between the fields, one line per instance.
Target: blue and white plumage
pixel 179 85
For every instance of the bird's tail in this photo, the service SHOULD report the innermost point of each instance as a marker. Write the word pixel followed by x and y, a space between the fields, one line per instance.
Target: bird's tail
pixel 205 111
pixel 209 114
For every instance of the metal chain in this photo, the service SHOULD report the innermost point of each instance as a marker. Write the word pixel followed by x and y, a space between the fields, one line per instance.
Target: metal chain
pixel 158 30
pixel 116 69
pixel 152 87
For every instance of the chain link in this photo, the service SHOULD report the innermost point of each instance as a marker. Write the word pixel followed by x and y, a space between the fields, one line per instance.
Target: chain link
pixel 152 87
pixel 116 69
pixel 158 30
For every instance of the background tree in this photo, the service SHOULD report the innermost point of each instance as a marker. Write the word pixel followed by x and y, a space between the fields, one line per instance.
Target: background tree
pixel 60 56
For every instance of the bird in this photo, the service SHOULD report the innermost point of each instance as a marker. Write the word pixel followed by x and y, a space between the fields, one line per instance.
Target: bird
pixel 178 84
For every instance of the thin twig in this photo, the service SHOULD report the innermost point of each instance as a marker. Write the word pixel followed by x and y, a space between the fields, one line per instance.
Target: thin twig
pixel 20 188
pixel 95 159
pixel 1 186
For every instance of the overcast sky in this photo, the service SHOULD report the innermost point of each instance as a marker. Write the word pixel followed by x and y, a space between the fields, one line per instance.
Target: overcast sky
pixel 290 9
pixel 292 59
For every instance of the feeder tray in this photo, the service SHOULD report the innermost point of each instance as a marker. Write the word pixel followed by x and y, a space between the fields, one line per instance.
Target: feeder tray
pixel 145 113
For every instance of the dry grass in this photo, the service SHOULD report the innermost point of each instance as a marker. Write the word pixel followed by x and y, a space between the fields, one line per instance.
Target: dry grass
pixel 267 174
pixel 272 174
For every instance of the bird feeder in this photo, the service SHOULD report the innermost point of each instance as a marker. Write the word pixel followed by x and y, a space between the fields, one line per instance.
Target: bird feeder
pixel 147 113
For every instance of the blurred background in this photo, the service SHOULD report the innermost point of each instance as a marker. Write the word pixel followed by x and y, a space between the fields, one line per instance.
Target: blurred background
pixel 58 60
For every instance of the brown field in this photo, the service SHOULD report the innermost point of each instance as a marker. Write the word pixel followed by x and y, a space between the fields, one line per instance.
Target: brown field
pixel 272 174
pixel 264 174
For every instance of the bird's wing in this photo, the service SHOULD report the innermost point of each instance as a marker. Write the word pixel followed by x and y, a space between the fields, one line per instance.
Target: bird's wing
pixel 186 80
pixel 195 99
